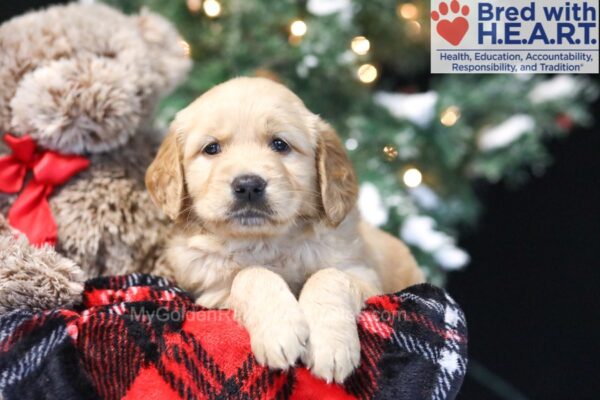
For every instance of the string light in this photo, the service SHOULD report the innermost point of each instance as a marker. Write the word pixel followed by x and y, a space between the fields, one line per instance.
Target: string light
pixel 390 152
pixel 186 47
pixel 367 73
pixel 298 28
pixel 212 8
pixel 407 11
pixel 194 5
pixel 413 28
pixel 360 45
pixel 412 177
pixel 450 116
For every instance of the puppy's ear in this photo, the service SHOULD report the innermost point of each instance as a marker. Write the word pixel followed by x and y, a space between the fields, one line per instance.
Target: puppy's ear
pixel 164 178
pixel 337 180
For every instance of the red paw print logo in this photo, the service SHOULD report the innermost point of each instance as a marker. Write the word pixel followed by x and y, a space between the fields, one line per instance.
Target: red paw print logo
pixel 452 30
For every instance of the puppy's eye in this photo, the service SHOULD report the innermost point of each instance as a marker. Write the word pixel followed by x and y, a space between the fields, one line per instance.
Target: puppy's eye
pixel 212 149
pixel 280 146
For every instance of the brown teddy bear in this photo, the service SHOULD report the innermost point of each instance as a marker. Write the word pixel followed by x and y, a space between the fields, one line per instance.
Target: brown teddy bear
pixel 78 85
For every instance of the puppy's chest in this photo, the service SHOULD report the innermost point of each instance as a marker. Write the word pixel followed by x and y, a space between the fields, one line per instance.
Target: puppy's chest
pixel 294 261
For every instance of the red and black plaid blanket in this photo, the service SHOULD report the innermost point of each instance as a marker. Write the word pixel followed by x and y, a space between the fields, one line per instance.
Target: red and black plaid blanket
pixel 139 337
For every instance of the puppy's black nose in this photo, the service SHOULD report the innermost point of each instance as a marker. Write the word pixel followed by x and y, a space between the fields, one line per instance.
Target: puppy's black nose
pixel 249 188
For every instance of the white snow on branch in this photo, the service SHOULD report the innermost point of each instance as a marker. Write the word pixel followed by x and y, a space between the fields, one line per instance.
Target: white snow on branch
pixel 306 64
pixel 451 257
pixel 347 57
pixel 562 86
pixel 418 108
pixel 419 230
pixel 507 132
pixel 425 197
pixel 371 205
pixel 328 7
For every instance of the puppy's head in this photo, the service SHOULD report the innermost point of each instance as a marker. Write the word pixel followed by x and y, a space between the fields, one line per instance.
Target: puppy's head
pixel 248 158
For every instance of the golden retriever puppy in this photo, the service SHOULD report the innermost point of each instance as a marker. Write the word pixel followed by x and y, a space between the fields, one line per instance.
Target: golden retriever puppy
pixel 264 201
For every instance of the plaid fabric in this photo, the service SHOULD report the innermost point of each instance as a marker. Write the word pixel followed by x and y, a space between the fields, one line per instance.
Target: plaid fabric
pixel 139 337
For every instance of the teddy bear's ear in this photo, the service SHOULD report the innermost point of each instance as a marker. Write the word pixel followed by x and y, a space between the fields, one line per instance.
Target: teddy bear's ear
pixel 164 178
pixel 165 53
pixel 78 105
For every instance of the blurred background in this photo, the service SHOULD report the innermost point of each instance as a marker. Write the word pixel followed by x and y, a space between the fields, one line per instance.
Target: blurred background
pixel 493 180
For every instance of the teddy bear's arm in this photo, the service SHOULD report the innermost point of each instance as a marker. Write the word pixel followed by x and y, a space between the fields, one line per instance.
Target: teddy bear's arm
pixel 35 278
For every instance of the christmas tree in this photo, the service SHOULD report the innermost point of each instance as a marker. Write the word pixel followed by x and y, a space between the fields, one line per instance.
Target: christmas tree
pixel 418 141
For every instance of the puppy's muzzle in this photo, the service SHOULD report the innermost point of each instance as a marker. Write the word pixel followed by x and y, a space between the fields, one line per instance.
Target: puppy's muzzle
pixel 249 189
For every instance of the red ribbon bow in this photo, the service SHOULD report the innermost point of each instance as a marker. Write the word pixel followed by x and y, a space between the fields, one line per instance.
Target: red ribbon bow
pixel 30 213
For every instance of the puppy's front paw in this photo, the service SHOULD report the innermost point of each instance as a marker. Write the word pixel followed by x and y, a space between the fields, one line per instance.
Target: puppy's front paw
pixel 280 339
pixel 333 351
pixel 264 304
